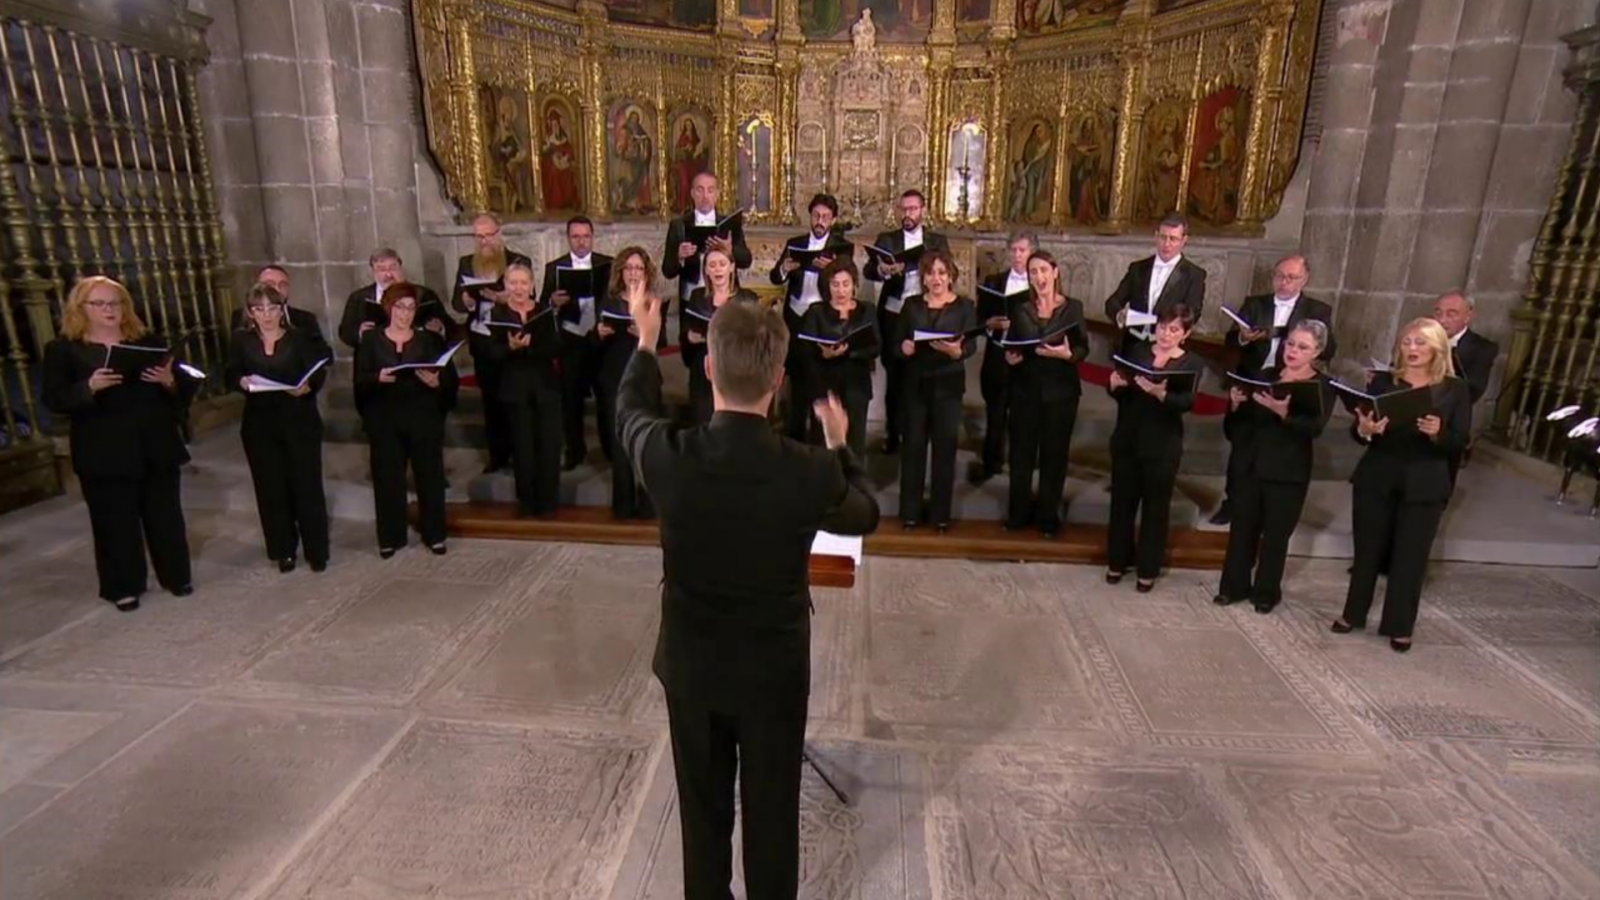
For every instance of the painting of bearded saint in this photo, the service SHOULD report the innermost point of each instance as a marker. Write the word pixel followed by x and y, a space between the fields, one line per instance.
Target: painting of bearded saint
pixel 632 158
pixel 559 159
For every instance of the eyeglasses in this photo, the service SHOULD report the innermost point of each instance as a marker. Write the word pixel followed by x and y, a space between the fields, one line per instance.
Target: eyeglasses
pixel 103 304
pixel 633 267
pixel 264 308
pixel 1287 277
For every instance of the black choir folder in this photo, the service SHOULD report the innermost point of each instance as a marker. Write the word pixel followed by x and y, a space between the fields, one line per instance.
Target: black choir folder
pixel 439 363
pixel 701 234
pixel 1173 378
pixel 851 337
pixel 576 282
pixel 1054 338
pixel 807 259
pixel 910 256
pixel 1304 396
pixel 1404 406
pixel 130 361
pixel 525 327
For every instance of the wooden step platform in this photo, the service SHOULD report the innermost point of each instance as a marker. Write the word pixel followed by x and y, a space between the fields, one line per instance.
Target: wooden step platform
pixel 984 540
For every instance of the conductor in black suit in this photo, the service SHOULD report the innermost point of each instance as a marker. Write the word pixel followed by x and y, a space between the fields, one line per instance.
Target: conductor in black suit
pixel 1471 353
pixel 681 257
pixel 580 348
pixel 277 278
pixel 1157 283
pixel 1261 347
pixel 739 508
pixel 900 281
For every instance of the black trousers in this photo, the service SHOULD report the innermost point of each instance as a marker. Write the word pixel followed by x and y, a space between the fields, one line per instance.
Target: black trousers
pixel 1041 438
pixel 931 416
pixel 488 372
pixel 1265 514
pixel 286 469
pixel 797 417
pixel 126 515
pixel 1140 488
pixel 393 443
pixel 763 747
pixel 628 499
pixel 535 423
pixel 701 402
pixel 1389 529
pixel 580 361
pixel 893 380
pixel 1232 477
pixel 994 380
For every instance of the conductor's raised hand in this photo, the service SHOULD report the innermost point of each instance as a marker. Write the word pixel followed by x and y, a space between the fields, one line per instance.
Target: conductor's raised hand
pixel 646 312
pixel 835 421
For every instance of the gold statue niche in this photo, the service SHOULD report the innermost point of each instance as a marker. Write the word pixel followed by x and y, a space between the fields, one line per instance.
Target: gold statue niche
pixel 1070 115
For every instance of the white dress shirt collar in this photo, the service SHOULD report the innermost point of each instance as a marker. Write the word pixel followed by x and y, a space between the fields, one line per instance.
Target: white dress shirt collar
pixel 705 218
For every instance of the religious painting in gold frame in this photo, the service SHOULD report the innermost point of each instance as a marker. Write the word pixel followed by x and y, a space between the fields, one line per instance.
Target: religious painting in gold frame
pixel 690 151
pixel 1030 171
pixel 1160 160
pixel 560 155
pixel 508 148
pixel 631 158
pixel 1090 142
pixel 1217 156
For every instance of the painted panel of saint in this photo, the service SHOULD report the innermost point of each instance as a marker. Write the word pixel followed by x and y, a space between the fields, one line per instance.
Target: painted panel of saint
pixel 631 158
pixel 1216 159
pixel 1038 16
pixel 895 20
pixel 1091 141
pixel 509 148
pixel 560 161
pixel 695 15
pixel 1161 160
pixel 755 165
pixel 689 154
pixel 1030 171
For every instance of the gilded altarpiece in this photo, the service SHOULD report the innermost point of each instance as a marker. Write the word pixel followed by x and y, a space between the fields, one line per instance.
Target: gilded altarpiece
pixel 1099 116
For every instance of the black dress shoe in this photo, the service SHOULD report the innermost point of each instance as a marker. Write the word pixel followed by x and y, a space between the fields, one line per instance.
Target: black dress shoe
pixel 286 565
pixel 1144 587
pixel 1222 516
pixel 1264 606
pixel 1224 600
pixel 126 604
pixel 1340 626
pixel 1114 577
pixel 319 565
pixel 1400 645
pixel 385 552
pixel 909 525
pixel 942 527
pixel 438 549
pixel 183 591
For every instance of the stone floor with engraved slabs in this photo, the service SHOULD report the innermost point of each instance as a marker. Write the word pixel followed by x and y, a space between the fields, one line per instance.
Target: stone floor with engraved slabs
pixel 485 725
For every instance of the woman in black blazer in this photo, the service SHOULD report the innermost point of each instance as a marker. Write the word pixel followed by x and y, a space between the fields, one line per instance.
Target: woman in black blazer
pixel 526 344
pixel 126 407
pixel 1044 392
pixel 1146 447
pixel 694 320
pixel 934 378
pixel 842 368
pixel 632 274
pixel 1272 442
pixel 282 431
pixel 1402 483
pixel 403 414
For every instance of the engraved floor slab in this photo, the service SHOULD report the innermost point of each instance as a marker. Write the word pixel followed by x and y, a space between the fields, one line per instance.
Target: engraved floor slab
pixel 202 809
pixel 466 810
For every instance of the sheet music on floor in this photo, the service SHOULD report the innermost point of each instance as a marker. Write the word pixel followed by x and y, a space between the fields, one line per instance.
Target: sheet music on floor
pixel 830 544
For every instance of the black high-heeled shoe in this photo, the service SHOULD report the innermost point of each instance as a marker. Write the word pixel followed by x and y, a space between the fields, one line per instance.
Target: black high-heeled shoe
pixel 438 549
pixel 319 565
pixel 1114 577
pixel 286 565
pixel 1265 606
pixel 385 552
pixel 1400 645
pixel 1224 600
pixel 1340 626
pixel 1144 587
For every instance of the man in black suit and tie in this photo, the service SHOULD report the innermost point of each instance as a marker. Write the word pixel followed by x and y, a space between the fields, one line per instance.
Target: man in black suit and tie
pixel 363 309
pixel 681 257
pixel 739 508
pixel 1472 353
pixel 277 278
pixel 580 349
pixel 994 298
pixel 1260 347
pixel 1156 283
pixel 900 281
pixel 802 288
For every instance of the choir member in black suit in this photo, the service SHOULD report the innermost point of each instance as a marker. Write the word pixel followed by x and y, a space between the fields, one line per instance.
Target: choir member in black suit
pixel 900 283
pixel 740 507
pixel 994 301
pixel 281 429
pixel 527 344
pixel 479 285
pixel 580 349
pixel 403 414
pixel 935 378
pixel 363 309
pixel 842 368
pixel 1273 441
pixel 694 321
pixel 1044 393
pixel 1158 283
pixel 125 441
pixel 1146 447
pixel 1261 346
pixel 803 287
pixel 682 257
pixel 1402 484
pixel 1472 354
pixel 277 278
pixel 632 276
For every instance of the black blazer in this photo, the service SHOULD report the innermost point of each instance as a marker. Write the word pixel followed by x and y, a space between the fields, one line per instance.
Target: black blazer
pixel 123 431
pixel 1148 428
pixel 739 508
pixel 572 312
pixel 1404 459
pixel 406 398
pixel 958 317
pixel 1258 310
pixel 687 271
pixel 1186 284
pixel 362 306
pixel 849 375
pixel 895 242
pixel 1474 360
pixel 296 352
pixel 470 300
pixel 700 301
pixel 299 319
pixel 531 370
pixel 1273 449
pixel 838 245
pixel 1042 376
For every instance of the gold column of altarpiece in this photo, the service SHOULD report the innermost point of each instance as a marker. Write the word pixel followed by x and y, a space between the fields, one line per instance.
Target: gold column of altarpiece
pixel 536 112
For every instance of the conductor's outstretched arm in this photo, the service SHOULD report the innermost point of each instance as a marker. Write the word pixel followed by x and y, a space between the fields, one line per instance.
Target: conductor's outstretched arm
pixel 856 510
